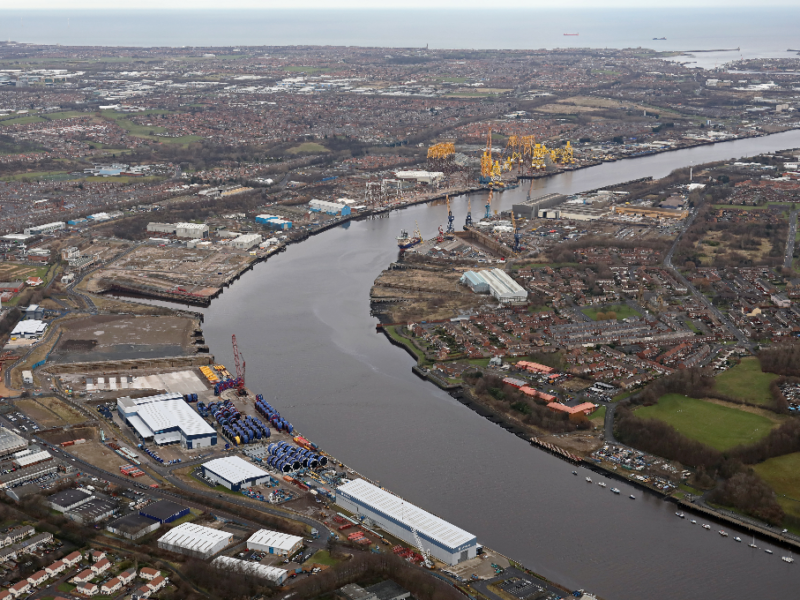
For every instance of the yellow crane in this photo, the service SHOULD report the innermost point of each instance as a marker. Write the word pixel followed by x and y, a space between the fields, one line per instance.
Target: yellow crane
pixel 442 151
pixel 486 160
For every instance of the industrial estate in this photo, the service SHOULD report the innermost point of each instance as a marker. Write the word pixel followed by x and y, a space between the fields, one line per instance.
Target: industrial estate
pixel 645 330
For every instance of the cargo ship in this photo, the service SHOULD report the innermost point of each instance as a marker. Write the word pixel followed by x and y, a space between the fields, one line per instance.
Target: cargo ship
pixel 661 39
pixel 404 242
pixel 572 34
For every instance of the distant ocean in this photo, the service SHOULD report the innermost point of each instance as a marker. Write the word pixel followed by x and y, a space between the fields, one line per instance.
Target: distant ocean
pixel 758 32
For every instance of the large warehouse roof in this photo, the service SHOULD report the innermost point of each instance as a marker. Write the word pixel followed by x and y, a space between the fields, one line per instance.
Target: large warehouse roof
pixel 274 539
pixel 194 537
pixel 156 414
pixel 406 513
pixel 10 441
pixel 234 469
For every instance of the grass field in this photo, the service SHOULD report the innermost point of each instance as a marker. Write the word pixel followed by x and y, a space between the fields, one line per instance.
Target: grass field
pixel 623 311
pixel 50 412
pixel 23 120
pixel 599 415
pixel 746 381
pixel 718 426
pixel 308 147
pixel 782 474
pixel 392 331
pixel 147 131
pixel 323 557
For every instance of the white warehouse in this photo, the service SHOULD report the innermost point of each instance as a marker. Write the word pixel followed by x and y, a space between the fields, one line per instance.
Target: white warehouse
pixel 446 542
pixel 195 540
pixel 274 542
pixel 234 472
pixel 497 283
pixel 46 228
pixel 235 565
pixel 246 241
pixel 166 419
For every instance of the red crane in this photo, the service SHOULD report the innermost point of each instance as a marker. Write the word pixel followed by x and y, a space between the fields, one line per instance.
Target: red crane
pixel 240 367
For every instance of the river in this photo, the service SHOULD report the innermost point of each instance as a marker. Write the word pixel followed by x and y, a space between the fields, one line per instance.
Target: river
pixel 302 321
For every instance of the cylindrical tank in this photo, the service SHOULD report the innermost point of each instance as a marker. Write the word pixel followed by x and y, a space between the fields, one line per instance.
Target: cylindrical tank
pixel 266 433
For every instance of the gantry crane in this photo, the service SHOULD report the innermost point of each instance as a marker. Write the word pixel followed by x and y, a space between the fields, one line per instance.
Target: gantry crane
pixel 468 222
pixel 489 205
pixel 486 160
pixel 240 367
pixel 450 217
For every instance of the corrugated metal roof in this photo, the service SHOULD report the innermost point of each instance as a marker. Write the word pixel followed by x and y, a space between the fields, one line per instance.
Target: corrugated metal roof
pixel 30 459
pixel 234 469
pixel 274 574
pixel 162 412
pixel 194 537
pixel 406 513
pixel 274 539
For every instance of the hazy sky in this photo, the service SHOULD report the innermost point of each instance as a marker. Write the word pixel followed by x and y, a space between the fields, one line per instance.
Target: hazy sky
pixel 332 4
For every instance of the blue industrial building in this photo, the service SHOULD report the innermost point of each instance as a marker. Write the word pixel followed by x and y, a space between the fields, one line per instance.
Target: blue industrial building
pixel 164 511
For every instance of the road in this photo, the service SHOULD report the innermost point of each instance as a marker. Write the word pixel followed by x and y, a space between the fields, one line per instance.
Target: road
pixel 789 257
pixel 741 337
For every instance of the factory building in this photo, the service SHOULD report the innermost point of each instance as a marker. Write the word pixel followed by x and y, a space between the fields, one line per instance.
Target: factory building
pixel 234 472
pixel 181 230
pixel 191 230
pixel 446 542
pixel 273 574
pixel 164 511
pixel 10 442
pixel 166 419
pixel 497 283
pixel 44 229
pixel 420 176
pixel 195 540
pixel 93 511
pixel 530 208
pixel 30 329
pixel 574 212
pixel 331 208
pixel 133 526
pixel 67 500
pixel 246 241
pixel 273 542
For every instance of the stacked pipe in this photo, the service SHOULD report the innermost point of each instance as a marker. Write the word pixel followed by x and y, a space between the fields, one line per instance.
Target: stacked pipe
pixel 287 458
pixel 237 428
pixel 272 415
pixel 225 384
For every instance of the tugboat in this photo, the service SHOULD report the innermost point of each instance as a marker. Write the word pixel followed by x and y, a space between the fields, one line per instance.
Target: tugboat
pixel 404 242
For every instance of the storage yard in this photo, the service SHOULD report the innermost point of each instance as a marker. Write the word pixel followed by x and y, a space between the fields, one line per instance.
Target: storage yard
pixel 198 272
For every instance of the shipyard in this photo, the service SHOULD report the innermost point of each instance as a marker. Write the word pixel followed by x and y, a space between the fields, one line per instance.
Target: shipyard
pixel 461 286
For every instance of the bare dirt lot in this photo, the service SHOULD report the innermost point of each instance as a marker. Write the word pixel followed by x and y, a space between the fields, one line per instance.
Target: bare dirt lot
pixel 50 412
pixel 425 294
pixel 119 337
pixel 104 458
pixel 199 271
